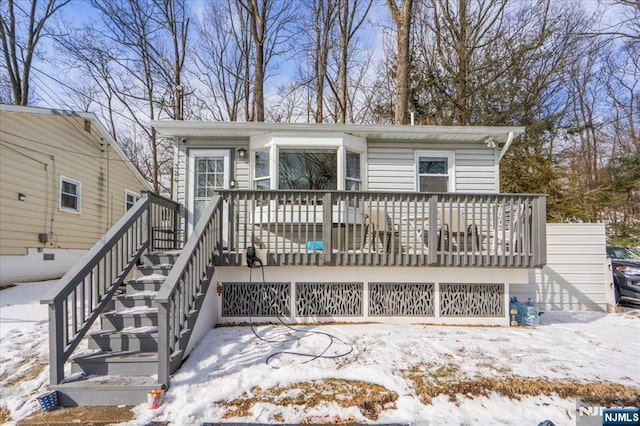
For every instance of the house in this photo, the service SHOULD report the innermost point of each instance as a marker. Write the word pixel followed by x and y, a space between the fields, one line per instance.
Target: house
pixel 64 182
pixel 337 222
pixel 416 214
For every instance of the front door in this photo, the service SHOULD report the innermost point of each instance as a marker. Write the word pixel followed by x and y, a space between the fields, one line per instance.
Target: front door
pixel 210 172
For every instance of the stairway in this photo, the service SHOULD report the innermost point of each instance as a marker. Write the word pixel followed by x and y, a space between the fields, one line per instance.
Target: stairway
pixel 121 363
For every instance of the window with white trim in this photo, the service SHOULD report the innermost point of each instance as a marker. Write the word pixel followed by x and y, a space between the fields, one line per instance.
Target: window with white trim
pixel 130 198
pixel 434 172
pixel 70 193
pixel 261 178
pixel 353 178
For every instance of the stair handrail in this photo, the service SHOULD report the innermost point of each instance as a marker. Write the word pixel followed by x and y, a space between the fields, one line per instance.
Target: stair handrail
pixel 83 293
pixel 186 283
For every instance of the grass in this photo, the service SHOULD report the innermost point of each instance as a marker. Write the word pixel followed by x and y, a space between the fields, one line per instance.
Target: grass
pixel 370 398
pixel 28 369
pixel 431 381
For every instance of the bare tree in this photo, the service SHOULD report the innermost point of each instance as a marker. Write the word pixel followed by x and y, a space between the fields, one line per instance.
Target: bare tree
pixel 222 62
pixel 21 30
pixel 172 16
pixel 324 15
pixel 402 17
pixel 136 56
pixel 269 20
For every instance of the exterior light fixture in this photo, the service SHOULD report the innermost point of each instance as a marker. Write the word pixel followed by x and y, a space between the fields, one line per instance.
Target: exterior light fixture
pixel 242 153
pixel 490 142
pixel 21 196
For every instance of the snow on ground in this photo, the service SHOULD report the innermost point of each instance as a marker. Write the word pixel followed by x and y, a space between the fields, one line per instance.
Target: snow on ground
pixel 231 363
pixel 24 347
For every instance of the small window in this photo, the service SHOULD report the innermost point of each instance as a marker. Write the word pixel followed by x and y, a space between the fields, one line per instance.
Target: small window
pixel 261 170
pixel 69 195
pixel 130 198
pixel 434 173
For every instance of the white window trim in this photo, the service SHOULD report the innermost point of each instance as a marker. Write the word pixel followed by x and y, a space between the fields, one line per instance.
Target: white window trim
pixel 451 170
pixel 128 192
pixel 252 167
pixel 341 142
pixel 79 195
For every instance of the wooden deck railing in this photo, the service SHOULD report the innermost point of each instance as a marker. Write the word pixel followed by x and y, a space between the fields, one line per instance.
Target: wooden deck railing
pixel 384 229
pixel 84 292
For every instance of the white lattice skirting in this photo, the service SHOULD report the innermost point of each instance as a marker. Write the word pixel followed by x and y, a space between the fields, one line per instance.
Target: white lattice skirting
pixel 358 301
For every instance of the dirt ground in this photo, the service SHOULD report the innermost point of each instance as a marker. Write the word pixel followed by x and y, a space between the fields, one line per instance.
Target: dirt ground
pixel 86 416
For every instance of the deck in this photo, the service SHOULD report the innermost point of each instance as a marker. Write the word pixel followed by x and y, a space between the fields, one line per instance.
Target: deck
pixel 349 228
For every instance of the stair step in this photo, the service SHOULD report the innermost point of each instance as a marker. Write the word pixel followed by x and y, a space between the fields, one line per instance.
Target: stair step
pixel 151 282
pixel 105 390
pixel 161 257
pixel 132 300
pixel 160 269
pixel 141 316
pixel 142 339
pixel 117 363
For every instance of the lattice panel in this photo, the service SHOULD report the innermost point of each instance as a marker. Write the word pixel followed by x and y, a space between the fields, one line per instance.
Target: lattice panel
pixel 329 299
pixel 256 299
pixel 401 299
pixel 472 300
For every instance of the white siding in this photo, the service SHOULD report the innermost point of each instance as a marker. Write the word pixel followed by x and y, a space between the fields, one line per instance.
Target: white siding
pixel 575 277
pixel 180 174
pixel 475 170
pixel 242 172
pixel 393 168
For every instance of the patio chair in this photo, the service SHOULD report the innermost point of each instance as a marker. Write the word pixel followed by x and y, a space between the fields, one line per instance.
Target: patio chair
pixel 506 235
pixel 456 232
pixel 378 226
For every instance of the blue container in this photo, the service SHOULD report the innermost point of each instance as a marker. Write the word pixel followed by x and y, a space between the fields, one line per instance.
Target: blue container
pixel 48 401
pixel 514 305
pixel 530 314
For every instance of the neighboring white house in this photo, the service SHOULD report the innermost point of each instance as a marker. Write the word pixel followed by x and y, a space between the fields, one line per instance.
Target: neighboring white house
pixel 429 196
pixel 63 183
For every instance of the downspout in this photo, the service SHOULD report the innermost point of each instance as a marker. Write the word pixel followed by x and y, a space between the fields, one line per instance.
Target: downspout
pixel 506 146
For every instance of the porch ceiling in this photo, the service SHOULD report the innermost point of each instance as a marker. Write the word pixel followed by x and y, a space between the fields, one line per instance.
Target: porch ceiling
pixel 465 134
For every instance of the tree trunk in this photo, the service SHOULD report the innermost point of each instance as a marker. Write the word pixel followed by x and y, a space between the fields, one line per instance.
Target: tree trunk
pixel 402 18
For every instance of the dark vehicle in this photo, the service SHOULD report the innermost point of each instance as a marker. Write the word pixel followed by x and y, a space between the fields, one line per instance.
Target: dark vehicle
pixel 626 274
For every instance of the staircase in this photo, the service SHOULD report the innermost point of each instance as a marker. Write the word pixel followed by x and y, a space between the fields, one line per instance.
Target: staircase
pixel 121 363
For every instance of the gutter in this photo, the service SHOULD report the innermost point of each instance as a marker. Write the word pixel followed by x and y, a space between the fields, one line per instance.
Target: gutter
pixel 506 146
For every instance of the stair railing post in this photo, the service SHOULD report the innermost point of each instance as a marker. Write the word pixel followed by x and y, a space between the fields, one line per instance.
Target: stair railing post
pixel 147 221
pixel 164 350
pixel 56 343
pixel 176 226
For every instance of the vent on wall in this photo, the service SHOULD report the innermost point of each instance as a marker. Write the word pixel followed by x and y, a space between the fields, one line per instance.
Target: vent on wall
pixel 49 256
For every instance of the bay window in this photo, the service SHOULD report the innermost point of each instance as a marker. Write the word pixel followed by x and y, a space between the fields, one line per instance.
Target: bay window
pixel 307 163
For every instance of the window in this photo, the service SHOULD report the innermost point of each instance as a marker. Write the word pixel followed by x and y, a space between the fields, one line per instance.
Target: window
pixel 353 181
pixel 130 198
pixel 300 161
pixel 209 176
pixel 308 169
pixel 435 172
pixel 69 195
pixel 261 178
